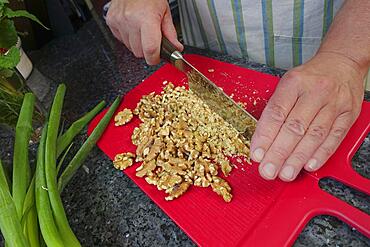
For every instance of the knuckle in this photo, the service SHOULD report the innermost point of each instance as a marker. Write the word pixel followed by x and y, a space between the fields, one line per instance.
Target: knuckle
pixel 264 135
pixel 276 113
pixel 150 50
pixel 318 132
pixel 339 132
pixel 295 126
pixel 280 152
pixel 129 14
pixel 345 117
pixel 300 156
pixel 326 150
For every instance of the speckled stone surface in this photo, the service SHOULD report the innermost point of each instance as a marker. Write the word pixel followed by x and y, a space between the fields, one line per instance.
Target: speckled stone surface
pixel 104 206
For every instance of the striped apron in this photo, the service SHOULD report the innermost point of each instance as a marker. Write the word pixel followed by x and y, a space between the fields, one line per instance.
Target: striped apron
pixel 280 33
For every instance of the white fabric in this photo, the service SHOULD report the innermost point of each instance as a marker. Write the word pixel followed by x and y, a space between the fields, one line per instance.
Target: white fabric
pixel 282 19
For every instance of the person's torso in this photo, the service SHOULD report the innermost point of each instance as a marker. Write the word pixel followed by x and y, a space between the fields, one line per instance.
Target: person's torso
pixel 282 33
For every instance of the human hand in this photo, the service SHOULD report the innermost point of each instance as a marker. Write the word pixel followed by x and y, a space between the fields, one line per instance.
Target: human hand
pixel 308 116
pixel 139 24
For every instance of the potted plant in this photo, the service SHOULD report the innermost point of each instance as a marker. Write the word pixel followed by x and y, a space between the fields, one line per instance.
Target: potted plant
pixel 15 66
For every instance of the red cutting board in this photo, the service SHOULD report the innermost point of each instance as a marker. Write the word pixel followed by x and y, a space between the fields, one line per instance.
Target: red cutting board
pixel 262 213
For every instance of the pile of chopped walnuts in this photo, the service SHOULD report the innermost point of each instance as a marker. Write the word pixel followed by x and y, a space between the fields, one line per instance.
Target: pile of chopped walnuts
pixel 181 142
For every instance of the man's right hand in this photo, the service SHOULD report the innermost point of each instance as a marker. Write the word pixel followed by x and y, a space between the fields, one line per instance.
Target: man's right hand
pixel 139 24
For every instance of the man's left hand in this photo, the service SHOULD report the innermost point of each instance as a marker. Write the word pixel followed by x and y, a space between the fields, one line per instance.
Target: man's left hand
pixel 309 114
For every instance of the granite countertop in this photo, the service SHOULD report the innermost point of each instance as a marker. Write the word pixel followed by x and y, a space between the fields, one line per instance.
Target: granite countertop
pixel 104 207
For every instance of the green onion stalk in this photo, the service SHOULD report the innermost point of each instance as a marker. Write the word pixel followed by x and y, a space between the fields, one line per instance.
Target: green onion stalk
pixel 61 160
pixel 36 204
pixel 49 230
pixel 65 139
pixel 29 219
pixel 68 237
pixel 21 167
pixel 82 153
pixel 10 225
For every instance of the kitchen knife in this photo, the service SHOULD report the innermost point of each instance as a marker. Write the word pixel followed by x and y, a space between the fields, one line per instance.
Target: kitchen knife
pixel 212 95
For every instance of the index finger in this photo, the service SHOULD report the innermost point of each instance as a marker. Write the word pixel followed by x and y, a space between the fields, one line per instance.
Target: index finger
pixel 273 117
pixel 151 37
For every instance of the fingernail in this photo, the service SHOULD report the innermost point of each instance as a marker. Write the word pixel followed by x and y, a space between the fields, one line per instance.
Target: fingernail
pixel 287 172
pixel 312 164
pixel 258 154
pixel 269 170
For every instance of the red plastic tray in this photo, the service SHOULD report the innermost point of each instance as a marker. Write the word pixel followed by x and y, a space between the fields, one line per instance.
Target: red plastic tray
pixel 262 213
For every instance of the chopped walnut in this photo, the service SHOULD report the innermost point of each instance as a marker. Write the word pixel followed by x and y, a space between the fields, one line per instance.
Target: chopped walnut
pixel 146 168
pixel 177 190
pixel 123 117
pixel 123 160
pixel 222 188
pixel 225 166
pixel 181 142
pixel 168 181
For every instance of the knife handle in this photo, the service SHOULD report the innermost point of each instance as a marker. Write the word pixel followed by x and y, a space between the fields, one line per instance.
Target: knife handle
pixel 169 51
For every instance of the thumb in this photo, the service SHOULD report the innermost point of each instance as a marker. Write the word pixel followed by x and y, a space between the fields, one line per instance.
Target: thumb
pixel 169 31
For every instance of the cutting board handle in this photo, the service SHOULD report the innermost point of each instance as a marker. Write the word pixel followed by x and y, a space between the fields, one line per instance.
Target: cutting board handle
pixel 339 166
pixel 350 177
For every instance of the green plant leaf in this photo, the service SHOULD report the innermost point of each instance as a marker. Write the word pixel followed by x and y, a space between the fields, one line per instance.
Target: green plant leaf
pixel 10 106
pixel 22 13
pixel 8 37
pixel 2 5
pixel 6 73
pixel 10 59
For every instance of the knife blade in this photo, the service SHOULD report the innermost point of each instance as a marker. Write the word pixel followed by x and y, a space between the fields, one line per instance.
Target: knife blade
pixel 216 99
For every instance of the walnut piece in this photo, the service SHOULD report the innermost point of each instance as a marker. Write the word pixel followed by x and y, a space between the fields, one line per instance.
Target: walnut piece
pixel 146 168
pixel 222 188
pixel 123 160
pixel 181 142
pixel 177 191
pixel 123 117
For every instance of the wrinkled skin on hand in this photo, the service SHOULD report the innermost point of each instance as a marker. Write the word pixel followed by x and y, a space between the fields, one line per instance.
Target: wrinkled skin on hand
pixel 140 24
pixel 308 116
